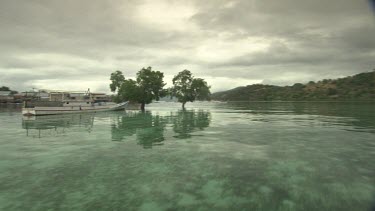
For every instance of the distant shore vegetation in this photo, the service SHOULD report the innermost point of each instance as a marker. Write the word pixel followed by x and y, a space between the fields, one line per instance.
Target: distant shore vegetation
pixel 5 88
pixel 357 87
pixel 149 86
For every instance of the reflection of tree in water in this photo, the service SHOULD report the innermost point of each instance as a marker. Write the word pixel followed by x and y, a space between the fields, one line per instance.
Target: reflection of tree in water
pixel 148 128
pixel 185 122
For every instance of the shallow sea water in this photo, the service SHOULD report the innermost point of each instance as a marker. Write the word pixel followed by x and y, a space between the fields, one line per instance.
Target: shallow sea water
pixel 213 156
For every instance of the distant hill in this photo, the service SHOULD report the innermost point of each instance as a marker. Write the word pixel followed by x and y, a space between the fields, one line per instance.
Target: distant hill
pixel 357 87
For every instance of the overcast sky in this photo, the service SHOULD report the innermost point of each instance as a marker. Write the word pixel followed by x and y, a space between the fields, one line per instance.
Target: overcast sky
pixel 76 44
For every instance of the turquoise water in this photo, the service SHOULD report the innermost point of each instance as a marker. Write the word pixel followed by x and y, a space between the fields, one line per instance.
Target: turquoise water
pixel 213 156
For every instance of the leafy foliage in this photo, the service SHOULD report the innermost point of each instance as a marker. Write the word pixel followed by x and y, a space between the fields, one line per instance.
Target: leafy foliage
pixel 186 88
pixel 150 84
pixel 201 91
pixel 129 90
pixel 117 79
pixel 4 88
pixel 147 87
pixel 357 87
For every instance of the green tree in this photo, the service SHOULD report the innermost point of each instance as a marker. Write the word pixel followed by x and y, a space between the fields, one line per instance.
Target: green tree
pixel 117 78
pixel 130 91
pixel 186 88
pixel 147 87
pixel 151 86
pixel 298 86
pixel 4 88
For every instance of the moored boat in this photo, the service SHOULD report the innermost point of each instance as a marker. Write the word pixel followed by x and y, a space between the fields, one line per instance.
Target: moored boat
pixel 69 103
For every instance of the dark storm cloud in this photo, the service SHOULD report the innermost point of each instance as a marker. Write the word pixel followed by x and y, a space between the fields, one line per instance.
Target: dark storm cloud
pixel 279 42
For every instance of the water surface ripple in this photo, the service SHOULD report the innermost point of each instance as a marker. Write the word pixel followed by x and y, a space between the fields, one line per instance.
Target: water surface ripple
pixel 212 156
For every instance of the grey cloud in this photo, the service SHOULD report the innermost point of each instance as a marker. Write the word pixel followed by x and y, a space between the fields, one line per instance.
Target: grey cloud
pixel 317 38
pixel 88 39
pixel 280 54
pixel 319 23
pixel 84 28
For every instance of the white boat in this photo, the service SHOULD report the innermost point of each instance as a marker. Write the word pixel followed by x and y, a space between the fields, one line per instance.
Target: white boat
pixel 76 107
pixel 60 102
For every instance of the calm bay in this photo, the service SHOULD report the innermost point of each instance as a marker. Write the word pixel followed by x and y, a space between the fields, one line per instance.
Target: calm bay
pixel 211 156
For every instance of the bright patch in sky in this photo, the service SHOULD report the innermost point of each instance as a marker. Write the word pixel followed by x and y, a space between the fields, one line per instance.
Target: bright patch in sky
pixel 222 48
pixel 168 15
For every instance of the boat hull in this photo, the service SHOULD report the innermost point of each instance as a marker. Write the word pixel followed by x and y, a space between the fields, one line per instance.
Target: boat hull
pixel 39 111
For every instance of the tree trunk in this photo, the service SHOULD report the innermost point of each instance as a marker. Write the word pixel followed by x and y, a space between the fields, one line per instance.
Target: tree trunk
pixel 183 105
pixel 142 106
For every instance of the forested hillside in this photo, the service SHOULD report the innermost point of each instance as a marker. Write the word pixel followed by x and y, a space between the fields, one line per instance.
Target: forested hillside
pixel 357 87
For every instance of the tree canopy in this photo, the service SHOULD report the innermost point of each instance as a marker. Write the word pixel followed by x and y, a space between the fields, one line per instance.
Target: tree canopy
pixel 147 87
pixel 117 79
pixel 186 88
pixel 4 88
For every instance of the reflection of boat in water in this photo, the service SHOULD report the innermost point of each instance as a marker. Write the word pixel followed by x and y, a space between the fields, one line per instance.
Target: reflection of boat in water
pixel 70 102
pixel 57 123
